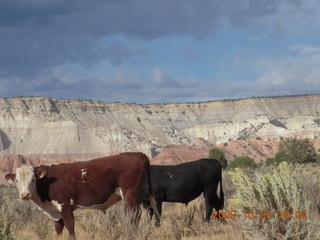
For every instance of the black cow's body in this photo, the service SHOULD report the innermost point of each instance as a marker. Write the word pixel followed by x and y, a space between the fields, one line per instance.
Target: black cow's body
pixel 183 183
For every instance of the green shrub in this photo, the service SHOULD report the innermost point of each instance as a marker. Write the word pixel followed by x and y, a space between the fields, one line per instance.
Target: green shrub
pixel 6 221
pixel 242 162
pixel 266 196
pixel 216 153
pixel 270 161
pixel 297 150
pixel 278 158
pixel 6 231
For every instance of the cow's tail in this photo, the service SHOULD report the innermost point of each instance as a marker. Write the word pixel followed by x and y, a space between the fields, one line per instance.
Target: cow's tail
pixel 152 200
pixel 221 190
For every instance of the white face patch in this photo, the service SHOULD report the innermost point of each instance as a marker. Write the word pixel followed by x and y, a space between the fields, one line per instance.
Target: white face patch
pixel 25 182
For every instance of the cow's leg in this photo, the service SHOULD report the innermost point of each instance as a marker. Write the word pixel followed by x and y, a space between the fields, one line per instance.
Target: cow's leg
pixel 209 208
pixel 59 225
pixel 149 210
pixel 211 198
pixel 132 206
pixel 159 208
pixel 68 219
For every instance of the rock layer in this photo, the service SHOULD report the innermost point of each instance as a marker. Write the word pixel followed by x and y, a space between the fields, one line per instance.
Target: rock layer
pixel 49 128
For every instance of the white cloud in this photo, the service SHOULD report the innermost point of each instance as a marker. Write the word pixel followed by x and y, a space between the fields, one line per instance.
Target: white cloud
pixel 305 50
pixel 255 38
pixel 285 16
pixel 298 74
pixel 162 79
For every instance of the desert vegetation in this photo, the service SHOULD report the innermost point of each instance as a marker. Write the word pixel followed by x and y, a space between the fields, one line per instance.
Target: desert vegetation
pixel 277 200
pixel 216 153
pixel 276 191
pixel 21 220
pixel 294 150
pixel 273 204
pixel 242 162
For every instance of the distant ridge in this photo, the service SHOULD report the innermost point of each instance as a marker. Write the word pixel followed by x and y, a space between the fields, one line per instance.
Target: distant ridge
pixel 208 101
pixel 50 128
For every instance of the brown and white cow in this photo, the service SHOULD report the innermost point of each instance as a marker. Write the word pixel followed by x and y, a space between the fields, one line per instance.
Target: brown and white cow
pixel 60 189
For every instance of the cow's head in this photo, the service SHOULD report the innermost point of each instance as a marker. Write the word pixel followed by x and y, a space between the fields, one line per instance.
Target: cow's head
pixel 25 180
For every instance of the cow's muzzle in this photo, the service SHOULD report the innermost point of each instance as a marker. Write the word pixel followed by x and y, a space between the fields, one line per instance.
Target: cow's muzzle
pixel 25 196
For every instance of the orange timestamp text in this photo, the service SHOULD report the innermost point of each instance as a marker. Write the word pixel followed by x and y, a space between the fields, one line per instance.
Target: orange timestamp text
pixel 222 214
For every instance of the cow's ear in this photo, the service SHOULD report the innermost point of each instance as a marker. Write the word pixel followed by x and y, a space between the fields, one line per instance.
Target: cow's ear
pixel 40 173
pixel 10 177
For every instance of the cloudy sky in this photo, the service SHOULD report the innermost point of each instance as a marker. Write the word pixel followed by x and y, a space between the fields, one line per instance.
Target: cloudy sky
pixel 159 51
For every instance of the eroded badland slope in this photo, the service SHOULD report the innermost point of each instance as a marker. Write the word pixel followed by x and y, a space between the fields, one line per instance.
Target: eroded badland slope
pixel 74 130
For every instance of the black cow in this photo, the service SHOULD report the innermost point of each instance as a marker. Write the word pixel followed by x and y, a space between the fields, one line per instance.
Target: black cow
pixel 183 183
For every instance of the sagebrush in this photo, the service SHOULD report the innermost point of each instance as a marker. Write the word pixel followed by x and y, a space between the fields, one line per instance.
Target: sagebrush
pixel 278 194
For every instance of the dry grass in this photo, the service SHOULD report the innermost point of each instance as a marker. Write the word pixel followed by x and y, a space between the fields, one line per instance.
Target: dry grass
pixel 178 222
pixel 22 221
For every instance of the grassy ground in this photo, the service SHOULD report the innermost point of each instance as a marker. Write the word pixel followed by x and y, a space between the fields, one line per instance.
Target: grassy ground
pixel 22 220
